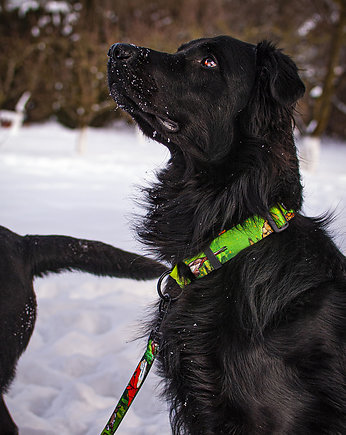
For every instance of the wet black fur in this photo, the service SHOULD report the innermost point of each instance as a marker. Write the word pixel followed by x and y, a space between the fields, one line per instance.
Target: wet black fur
pixel 24 258
pixel 257 347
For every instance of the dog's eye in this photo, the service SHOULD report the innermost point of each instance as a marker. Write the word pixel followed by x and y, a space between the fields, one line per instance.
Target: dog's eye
pixel 209 62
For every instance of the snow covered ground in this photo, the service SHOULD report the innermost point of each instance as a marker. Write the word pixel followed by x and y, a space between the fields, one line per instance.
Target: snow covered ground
pixel 81 354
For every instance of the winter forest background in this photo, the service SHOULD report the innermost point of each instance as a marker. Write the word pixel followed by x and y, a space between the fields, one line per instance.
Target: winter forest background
pixel 57 50
pixel 82 351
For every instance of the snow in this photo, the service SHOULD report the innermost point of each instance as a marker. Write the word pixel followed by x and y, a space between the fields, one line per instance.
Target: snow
pixel 316 91
pixel 54 7
pixel 58 7
pixel 26 6
pixel 309 25
pixel 82 352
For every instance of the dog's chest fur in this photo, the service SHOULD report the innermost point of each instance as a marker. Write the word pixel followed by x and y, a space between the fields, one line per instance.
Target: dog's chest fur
pixel 235 344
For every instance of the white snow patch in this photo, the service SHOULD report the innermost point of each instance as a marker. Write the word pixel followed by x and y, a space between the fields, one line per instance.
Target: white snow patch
pixel 56 7
pixel 309 25
pixel 81 356
pixel 316 91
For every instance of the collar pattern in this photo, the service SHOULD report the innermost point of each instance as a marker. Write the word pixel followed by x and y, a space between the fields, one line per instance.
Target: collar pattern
pixel 229 243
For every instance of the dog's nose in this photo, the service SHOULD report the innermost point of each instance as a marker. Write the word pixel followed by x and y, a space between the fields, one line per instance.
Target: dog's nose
pixel 122 52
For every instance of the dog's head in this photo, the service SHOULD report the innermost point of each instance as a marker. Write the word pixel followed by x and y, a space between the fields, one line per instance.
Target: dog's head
pixel 194 99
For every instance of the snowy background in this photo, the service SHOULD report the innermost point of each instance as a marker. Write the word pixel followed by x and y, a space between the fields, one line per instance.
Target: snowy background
pixel 81 355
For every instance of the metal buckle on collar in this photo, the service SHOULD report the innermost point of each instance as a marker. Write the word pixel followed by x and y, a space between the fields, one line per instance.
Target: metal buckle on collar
pixel 165 297
pixel 273 224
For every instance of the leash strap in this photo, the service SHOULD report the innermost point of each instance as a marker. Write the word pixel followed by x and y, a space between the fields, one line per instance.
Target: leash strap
pixel 229 243
pixel 132 388
pixel 141 372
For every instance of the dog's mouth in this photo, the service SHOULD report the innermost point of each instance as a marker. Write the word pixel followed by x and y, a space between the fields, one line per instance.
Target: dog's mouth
pixel 137 106
pixel 168 124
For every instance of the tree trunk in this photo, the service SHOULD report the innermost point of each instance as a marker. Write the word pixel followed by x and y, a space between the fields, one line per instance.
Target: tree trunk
pixel 325 102
pixel 82 139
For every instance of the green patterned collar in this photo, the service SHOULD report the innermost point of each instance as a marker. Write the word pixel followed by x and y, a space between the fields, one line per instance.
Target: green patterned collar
pixel 229 243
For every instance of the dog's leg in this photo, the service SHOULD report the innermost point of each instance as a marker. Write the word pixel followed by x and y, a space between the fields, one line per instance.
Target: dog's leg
pixel 7 425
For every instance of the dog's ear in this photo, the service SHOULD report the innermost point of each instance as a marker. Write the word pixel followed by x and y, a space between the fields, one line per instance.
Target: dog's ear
pixel 276 90
pixel 279 73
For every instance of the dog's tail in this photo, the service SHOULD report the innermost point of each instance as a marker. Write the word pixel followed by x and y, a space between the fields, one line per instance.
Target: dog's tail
pixel 62 253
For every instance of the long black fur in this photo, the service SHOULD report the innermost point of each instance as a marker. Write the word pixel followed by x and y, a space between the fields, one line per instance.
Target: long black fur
pixel 258 346
pixel 24 258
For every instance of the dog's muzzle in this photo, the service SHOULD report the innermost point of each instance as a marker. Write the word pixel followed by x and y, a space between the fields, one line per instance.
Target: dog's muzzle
pixel 123 67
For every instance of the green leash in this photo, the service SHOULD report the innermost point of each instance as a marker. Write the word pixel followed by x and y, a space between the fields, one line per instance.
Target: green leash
pixel 222 249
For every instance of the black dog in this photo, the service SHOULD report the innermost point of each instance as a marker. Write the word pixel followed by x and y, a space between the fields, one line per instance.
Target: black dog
pixel 22 259
pixel 257 346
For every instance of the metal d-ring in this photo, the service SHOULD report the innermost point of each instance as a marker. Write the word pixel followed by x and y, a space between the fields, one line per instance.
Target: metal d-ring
pixel 165 297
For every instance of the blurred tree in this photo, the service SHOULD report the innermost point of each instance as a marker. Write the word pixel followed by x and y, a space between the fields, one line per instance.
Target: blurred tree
pixel 57 49
pixel 17 51
pixel 324 103
pixel 326 79
pixel 81 94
